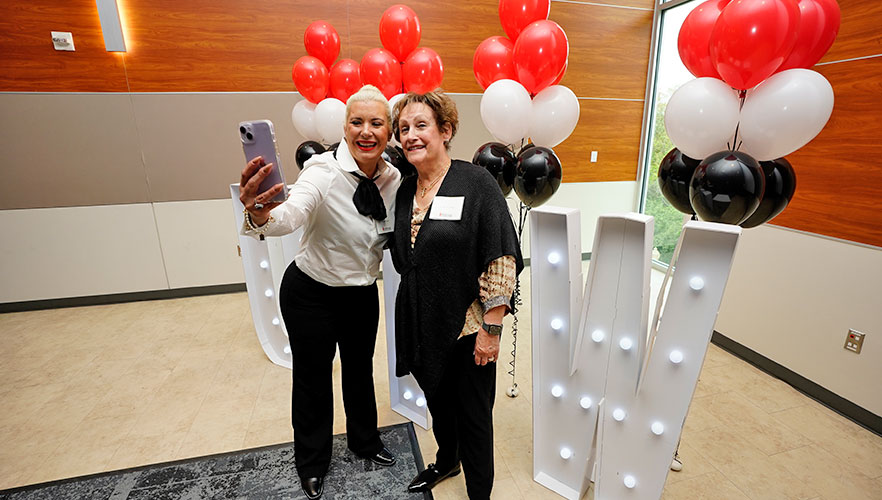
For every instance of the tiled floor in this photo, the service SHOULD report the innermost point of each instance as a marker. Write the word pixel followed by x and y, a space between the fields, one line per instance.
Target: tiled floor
pixel 99 388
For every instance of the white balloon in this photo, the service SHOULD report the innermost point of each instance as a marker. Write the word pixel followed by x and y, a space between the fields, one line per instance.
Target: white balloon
pixel 505 110
pixel 395 98
pixel 701 117
pixel 554 116
pixel 303 116
pixel 784 113
pixel 330 114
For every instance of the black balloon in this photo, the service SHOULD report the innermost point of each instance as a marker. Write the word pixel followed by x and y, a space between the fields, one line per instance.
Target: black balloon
pixel 333 147
pixel 780 186
pixel 674 175
pixel 538 176
pixel 526 147
pixel 306 150
pixel 394 155
pixel 727 187
pixel 500 161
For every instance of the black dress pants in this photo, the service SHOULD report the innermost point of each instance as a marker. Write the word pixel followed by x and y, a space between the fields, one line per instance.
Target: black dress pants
pixel 462 418
pixel 319 318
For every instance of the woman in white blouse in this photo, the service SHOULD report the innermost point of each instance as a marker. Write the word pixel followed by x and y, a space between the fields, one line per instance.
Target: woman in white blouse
pixel 344 200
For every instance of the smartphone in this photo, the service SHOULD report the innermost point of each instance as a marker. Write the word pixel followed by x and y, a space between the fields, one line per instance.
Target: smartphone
pixel 259 139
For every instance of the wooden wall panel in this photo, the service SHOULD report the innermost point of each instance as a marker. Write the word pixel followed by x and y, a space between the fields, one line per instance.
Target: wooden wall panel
pixel 609 49
pixel 29 62
pixel 211 46
pixel 839 173
pixel 612 128
pixel 859 34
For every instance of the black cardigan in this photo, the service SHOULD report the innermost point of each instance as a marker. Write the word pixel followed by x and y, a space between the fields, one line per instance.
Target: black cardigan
pixel 439 275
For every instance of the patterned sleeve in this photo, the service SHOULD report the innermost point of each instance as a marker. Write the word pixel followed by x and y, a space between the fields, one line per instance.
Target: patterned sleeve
pixel 497 282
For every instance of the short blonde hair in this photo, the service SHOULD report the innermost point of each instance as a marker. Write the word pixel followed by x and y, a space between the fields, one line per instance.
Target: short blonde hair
pixel 442 106
pixel 368 93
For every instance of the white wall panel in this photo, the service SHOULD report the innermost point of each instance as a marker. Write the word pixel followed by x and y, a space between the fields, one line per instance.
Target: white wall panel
pixel 70 252
pixel 592 199
pixel 199 240
pixel 792 297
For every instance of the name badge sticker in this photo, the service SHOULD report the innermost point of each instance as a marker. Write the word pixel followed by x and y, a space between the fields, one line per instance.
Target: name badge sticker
pixel 447 208
pixel 385 226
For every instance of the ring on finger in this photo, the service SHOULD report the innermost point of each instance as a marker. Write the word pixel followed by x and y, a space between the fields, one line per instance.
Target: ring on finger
pixel 258 205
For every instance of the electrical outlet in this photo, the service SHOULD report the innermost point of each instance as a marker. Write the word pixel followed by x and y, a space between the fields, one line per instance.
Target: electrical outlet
pixel 854 341
pixel 594 157
pixel 63 40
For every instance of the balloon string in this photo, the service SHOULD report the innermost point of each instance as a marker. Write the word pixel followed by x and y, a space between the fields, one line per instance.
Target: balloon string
pixel 516 300
pixel 735 144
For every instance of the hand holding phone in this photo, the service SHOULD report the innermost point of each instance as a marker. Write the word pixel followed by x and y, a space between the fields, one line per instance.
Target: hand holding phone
pixel 262 185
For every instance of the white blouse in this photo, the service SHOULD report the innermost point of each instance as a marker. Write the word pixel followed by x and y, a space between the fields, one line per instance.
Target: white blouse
pixel 339 247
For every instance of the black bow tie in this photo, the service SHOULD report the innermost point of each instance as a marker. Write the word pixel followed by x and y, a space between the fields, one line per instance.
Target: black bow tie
pixel 367 198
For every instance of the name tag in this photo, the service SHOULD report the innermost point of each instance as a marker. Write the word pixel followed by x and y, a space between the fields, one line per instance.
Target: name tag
pixel 385 226
pixel 447 208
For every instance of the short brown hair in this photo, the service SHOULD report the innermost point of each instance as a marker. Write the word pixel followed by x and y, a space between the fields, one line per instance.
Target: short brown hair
pixel 442 106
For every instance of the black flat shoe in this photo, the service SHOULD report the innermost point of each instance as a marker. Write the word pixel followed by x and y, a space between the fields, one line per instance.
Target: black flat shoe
pixel 383 457
pixel 313 486
pixel 427 479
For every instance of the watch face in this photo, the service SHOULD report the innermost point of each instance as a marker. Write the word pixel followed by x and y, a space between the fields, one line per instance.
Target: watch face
pixel 493 329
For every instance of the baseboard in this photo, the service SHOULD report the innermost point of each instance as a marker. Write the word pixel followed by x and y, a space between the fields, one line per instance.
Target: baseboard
pixel 840 405
pixel 117 298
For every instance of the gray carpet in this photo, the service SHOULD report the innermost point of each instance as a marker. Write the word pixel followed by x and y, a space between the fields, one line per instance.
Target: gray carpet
pixel 259 473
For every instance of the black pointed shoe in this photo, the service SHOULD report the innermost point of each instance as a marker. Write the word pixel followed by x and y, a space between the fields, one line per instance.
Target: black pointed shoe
pixel 313 486
pixel 427 479
pixel 383 457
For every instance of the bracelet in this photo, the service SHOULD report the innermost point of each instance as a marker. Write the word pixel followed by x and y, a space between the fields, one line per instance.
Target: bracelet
pixel 257 229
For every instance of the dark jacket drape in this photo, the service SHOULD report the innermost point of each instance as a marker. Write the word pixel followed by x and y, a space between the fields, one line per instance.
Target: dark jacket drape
pixel 439 275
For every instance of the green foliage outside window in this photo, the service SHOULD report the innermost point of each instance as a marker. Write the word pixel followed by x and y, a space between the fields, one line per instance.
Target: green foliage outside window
pixel 668 221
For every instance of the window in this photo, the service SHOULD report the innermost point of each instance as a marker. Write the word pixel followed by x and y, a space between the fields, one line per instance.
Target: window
pixel 670 74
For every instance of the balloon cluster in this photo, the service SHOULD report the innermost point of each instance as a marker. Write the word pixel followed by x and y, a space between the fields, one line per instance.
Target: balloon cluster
pixel 520 76
pixel 535 173
pixel 401 66
pixel 753 102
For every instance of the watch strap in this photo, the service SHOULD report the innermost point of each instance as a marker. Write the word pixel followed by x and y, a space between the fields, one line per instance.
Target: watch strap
pixel 492 329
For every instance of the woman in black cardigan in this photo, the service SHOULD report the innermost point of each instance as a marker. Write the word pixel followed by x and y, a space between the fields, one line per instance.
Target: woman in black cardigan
pixel 458 255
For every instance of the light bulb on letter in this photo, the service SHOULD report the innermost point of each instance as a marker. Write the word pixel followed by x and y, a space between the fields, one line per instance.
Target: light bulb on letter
pixel 585 402
pixel 566 453
pixel 264 264
pixel 696 283
pixel 407 395
pixel 597 335
pixel 557 391
pixel 625 344
pixel 658 428
pixel 553 258
pixel 618 414
pixel 268 292
pixel 676 357
pixel 421 401
pixel 630 481
pixel 556 324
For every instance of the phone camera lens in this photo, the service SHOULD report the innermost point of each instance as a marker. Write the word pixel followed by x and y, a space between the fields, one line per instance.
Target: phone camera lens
pixel 241 130
pixel 249 136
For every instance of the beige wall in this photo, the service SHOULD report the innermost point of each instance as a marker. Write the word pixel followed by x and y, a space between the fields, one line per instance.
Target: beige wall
pixel 793 296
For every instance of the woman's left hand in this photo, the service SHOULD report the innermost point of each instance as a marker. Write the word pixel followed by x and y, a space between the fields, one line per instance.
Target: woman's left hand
pixel 486 348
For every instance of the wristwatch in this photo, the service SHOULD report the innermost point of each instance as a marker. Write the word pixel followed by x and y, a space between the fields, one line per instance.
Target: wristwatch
pixel 492 329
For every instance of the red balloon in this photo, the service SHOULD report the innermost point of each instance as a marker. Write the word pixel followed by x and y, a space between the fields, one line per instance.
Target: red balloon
pixel 311 78
pixel 322 41
pixel 693 40
pixel 752 38
pixel 400 30
pixel 494 61
pixel 818 27
pixel 422 71
pixel 561 75
pixel 380 69
pixel 515 15
pixel 540 54
pixel 345 79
